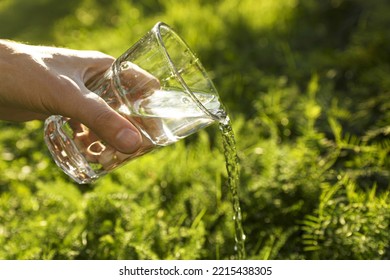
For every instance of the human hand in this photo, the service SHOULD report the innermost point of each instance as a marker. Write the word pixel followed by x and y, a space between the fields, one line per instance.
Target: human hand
pixel 39 81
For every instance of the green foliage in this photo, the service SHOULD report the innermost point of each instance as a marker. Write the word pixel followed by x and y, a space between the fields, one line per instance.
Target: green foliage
pixel 349 224
pixel 306 85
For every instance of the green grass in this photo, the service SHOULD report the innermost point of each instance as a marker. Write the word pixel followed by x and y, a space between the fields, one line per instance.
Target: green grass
pixel 306 85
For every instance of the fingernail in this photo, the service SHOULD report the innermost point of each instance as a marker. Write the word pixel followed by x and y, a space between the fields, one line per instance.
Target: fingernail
pixel 128 141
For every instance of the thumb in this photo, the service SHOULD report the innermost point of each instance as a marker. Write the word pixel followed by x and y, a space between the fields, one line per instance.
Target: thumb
pixel 107 124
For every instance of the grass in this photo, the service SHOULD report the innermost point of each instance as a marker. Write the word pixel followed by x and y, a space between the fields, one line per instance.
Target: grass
pixel 306 85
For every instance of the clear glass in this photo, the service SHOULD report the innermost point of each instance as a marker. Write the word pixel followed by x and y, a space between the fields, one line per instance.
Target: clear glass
pixel 179 100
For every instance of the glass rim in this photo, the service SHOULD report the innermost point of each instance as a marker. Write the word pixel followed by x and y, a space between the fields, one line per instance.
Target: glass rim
pixel 157 32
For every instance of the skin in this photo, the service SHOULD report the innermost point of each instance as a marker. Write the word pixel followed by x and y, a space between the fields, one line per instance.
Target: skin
pixel 39 81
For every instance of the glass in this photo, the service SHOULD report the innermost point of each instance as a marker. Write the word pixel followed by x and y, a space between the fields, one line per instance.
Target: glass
pixel 174 98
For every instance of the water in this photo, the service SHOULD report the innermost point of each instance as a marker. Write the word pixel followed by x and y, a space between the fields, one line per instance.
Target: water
pixel 179 117
pixel 178 113
pixel 169 103
pixel 166 116
pixel 233 171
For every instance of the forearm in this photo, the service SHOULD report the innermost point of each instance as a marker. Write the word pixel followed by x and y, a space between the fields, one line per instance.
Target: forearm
pixel 17 90
pixel 6 52
pixel 8 75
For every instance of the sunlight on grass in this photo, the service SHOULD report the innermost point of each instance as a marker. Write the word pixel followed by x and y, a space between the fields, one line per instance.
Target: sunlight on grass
pixel 305 83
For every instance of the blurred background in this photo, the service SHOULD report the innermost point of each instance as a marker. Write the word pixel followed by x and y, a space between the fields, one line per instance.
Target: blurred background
pixel 306 84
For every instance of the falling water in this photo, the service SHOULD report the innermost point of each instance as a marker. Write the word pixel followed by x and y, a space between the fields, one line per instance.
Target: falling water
pixel 233 171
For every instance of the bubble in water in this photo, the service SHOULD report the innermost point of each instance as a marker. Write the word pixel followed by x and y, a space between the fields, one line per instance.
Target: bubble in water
pixel 185 100
pixel 125 65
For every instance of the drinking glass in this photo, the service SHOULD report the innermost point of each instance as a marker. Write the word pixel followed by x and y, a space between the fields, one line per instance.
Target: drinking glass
pixel 174 98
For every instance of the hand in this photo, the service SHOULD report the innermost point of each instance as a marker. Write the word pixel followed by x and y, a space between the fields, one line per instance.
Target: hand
pixel 39 81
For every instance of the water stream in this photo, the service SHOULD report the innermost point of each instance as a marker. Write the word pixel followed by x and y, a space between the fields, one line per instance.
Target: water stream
pixel 233 171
